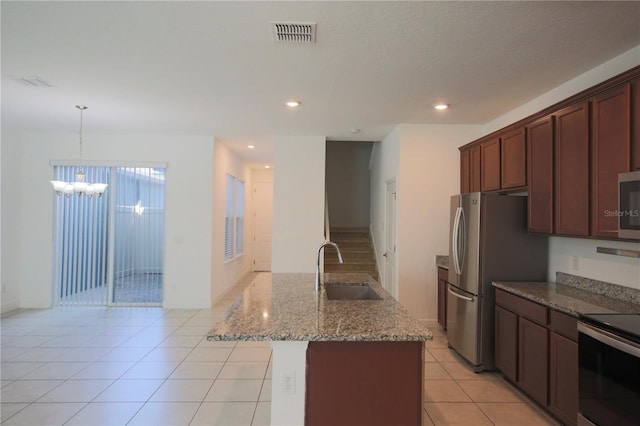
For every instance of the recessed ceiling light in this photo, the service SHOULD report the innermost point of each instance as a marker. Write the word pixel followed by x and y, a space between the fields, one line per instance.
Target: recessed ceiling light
pixel 293 104
pixel 441 106
pixel 267 166
pixel 251 146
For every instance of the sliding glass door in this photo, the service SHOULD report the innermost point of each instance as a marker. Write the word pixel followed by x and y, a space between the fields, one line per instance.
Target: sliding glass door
pixel 109 250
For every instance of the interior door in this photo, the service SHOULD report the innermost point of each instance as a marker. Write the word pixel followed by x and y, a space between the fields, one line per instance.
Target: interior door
pixel 390 241
pixel 263 219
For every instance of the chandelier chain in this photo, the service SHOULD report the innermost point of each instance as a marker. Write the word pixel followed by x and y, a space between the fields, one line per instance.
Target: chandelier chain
pixel 81 108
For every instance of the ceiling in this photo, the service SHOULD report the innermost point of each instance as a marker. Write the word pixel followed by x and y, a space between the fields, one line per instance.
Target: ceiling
pixel 198 67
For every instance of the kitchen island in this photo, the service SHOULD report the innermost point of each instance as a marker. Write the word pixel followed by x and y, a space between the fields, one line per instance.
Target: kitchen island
pixel 334 361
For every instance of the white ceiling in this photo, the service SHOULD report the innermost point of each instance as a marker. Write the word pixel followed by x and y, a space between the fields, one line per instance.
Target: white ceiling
pixel 212 67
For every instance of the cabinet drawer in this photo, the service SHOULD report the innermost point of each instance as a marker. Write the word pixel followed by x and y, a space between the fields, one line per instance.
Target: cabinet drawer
pixel 523 307
pixel 564 324
pixel 443 274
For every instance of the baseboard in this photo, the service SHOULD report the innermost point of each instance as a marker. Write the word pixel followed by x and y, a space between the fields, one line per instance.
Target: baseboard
pixel 6 307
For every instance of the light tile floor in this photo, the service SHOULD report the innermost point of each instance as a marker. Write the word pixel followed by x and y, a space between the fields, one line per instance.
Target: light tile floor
pixel 455 395
pixel 153 366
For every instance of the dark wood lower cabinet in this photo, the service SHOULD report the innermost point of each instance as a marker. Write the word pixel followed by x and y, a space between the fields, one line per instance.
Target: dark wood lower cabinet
pixel 536 348
pixel 442 297
pixel 533 365
pixel 506 342
pixel 364 383
pixel 563 378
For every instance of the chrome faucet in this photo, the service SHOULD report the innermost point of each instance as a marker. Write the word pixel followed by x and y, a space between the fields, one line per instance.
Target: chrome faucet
pixel 326 243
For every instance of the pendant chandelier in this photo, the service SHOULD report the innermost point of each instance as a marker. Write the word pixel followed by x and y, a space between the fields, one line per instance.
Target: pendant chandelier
pixel 80 186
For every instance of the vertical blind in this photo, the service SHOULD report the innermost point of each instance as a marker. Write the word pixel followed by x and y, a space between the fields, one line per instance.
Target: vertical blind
pixel 109 250
pixel 81 238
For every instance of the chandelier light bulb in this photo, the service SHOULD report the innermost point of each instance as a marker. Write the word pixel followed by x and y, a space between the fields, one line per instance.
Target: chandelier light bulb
pixel 80 186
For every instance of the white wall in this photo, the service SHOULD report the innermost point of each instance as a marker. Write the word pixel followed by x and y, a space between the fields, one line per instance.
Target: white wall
pixel 579 257
pixel 615 269
pixel 348 183
pixel 11 155
pixel 225 274
pixel 425 161
pixel 429 176
pixel 188 227
pixel 261 211
pixel 298 202
pixel 384 167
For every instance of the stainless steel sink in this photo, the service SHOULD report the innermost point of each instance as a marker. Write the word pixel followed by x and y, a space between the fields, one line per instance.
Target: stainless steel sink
pixel 350 292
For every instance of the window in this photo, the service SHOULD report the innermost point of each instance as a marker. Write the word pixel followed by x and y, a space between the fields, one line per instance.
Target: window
pixel 234 218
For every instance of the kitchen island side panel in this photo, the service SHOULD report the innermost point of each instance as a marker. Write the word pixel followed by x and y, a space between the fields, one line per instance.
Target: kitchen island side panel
pixel 364 383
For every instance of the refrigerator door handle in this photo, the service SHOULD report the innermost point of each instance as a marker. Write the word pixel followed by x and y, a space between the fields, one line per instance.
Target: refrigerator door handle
pixel 455 236
pixel 462 242
pixel 459 296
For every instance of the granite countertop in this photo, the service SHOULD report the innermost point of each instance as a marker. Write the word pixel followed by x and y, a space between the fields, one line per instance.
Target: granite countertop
pixel 285 306
pixel 442 261
pixel 567 298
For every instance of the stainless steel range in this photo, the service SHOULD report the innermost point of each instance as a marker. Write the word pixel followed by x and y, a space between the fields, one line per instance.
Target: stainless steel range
pixel 609 369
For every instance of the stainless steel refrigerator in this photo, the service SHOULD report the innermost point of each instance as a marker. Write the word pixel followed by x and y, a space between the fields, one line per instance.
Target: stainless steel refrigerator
pixel 488 242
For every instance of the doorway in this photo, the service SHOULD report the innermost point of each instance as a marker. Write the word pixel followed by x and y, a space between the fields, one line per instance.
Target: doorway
pixel 109 250
pixel 262 219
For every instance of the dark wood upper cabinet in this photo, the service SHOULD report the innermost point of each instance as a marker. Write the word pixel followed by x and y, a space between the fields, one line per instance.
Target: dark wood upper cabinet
pixel 540 175
pixel 513 159
pixel 465 172
pixel 572 170
pixel 610 155
pixel 490 165
pixel 635 131
pixel 474 175
pixel 470 170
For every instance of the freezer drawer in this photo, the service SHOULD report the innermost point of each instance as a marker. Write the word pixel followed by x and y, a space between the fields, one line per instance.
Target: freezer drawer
pixel 463 323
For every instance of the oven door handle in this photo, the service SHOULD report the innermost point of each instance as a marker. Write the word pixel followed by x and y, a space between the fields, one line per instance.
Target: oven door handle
pixel 610 339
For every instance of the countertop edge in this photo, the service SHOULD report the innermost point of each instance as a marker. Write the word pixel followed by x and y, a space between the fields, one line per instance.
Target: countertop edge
pixel 442 261
pixel 529 296
pixel 568 299
pixel 316 338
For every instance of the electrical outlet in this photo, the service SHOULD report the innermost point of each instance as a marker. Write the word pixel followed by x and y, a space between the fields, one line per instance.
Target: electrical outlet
pixel 289 383
pixel 575 263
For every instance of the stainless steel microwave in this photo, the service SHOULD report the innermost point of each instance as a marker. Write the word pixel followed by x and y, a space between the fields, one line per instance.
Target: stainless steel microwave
pixel 629 205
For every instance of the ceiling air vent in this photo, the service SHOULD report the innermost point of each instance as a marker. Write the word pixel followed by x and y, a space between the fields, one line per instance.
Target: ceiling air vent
pixel 33 81
pixel 294 32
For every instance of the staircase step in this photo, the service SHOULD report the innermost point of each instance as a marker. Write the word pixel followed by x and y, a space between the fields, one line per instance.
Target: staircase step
pixel 363 245
pixel 349 258
pixel 351 261
pixel 355 246
pixel 349 267
pixel 349 229
pixel 349 254
pixel 341 236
